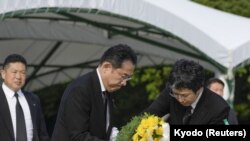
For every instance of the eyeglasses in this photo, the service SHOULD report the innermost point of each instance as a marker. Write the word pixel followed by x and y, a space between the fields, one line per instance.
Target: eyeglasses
pixel 184 96
pixel 126 77
pixel 178 96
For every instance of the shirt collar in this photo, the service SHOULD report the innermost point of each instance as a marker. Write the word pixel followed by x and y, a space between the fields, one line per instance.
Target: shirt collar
pixel 197 99
pixel 10 93
pixel 100 80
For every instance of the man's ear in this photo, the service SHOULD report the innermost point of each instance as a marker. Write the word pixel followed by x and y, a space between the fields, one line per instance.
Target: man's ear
pixel 2 73
pixel 106 65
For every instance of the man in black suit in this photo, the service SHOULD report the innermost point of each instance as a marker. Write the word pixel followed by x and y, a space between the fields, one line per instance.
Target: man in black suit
pixel 11 96
pixel 83 113
pixel 217 86
pixel 187 100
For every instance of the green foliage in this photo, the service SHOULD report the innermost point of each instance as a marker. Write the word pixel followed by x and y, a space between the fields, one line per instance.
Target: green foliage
pixel 241 71
pixel 154 79
pixel 127 131
pixel 242 93
pixel 243 110
pixel 238 7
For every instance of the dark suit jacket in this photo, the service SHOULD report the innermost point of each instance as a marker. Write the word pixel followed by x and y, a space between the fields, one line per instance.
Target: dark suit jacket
pixel 210 109
pixel 232 117
pixel 81 114
pixel 6 128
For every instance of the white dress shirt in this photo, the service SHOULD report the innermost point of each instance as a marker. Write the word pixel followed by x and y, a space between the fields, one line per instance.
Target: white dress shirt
pixel 103 90
pixel 196 101
pixel 11 99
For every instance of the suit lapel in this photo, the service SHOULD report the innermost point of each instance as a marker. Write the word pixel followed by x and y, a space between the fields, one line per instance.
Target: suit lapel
pixel 200 110
pixel 5 112
pixel 32 106
pixel 97 90
pixel 99 100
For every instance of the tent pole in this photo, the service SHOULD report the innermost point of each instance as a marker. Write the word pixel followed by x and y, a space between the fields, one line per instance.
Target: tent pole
pixel 229 88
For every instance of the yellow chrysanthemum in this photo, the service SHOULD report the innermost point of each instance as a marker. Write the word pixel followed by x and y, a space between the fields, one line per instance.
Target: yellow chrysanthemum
pixel 136 137
pixel 150 126
pixel 157 139
pixel 159 131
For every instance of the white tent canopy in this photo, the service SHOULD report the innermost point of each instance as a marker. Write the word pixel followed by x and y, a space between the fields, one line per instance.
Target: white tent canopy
pixel 62 39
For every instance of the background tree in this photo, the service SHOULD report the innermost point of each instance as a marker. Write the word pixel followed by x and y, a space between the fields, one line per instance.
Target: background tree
pixel 238 7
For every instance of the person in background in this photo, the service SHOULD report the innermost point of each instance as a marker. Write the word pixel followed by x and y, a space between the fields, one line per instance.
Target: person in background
pixel 217 86
pixel 21 117
pixel 86 108
pixel 186 98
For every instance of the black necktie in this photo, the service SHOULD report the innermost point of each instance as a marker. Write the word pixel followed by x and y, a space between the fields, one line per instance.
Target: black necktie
pixel 187 115
pixel 21 134
pixel 106 101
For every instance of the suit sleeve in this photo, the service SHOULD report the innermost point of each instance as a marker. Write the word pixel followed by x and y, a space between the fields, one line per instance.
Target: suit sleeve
pixel 223 115
pixel 161 105
pixel 77 115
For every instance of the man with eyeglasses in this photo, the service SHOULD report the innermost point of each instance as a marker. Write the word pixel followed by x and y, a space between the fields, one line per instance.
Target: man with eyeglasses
pixel 187 100
pixel 86 107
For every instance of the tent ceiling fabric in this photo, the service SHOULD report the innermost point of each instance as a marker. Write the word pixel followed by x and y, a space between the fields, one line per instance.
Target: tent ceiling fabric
pixel 62 39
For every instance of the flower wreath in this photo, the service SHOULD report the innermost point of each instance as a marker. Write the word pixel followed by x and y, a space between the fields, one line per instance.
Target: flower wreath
pixel 145 128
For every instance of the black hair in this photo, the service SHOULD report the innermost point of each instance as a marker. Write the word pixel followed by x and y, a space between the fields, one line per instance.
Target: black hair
pixel 13 58
pixel 117 54
pixel 186 74
pixel 214 80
